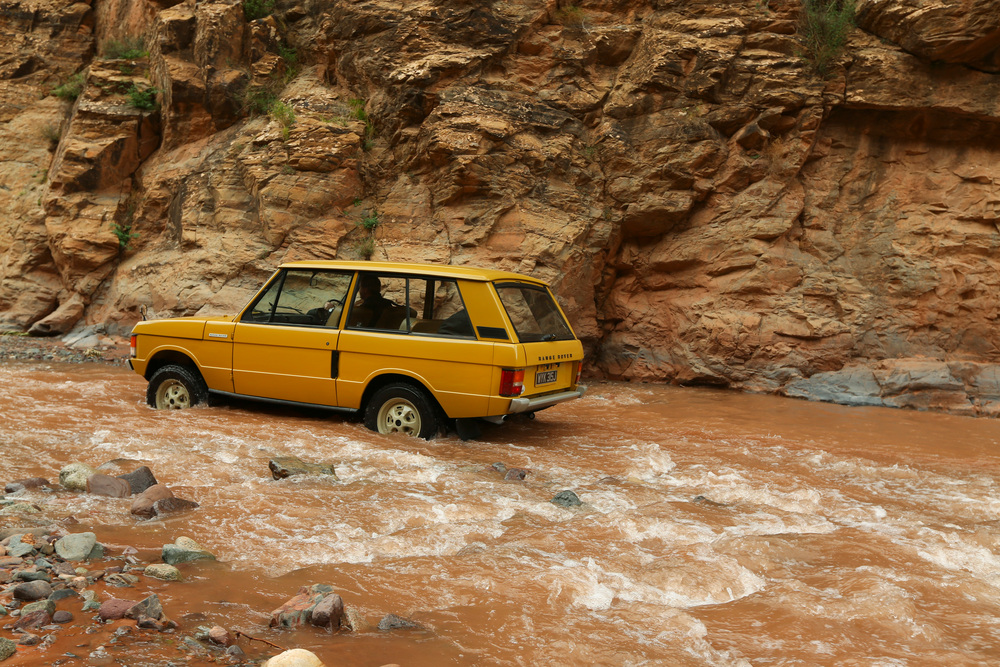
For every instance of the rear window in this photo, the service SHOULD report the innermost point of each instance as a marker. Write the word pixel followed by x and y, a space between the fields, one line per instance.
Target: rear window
pixel 533 312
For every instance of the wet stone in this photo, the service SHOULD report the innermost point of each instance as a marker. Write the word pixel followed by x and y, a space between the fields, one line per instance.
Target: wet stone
pixel 20 508
pixel 113 609
pixel 28 639
pixel 48 606
pixel 62 616
pixel 32 575
pixel 515 474
pixel 149 607
pixel 77 546
pixel 30 483
pixel 184 550
pixel 33 620
pixel 162 571
pixel 20 550
pixel 219 636
pixel 393 622
pixel 100 484
pixel 7 648
pixel 74 476
pixel 139 479
pixel 567 498
pixel 63 593
pixel 328 612
pixel 288 466
pixel 172 505
pixel 32 590
pixel 143 504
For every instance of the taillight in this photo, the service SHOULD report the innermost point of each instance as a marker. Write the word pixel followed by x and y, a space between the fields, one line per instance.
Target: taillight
pixel 579 370
pixel 131 345
pixel 511 381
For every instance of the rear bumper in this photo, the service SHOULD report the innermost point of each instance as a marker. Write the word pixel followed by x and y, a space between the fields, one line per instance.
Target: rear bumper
pixel 518 405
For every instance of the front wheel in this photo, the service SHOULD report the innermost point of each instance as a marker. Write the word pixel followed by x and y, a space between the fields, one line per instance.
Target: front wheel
pixel 175 387
pixel 401 408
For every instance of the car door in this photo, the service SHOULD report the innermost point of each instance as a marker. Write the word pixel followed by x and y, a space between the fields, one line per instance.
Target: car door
pixel 285 343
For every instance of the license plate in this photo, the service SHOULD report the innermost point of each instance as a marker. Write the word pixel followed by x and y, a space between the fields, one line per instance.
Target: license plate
pixel 546 377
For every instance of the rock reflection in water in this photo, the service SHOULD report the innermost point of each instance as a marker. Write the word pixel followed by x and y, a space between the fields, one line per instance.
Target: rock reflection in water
pixel 715 528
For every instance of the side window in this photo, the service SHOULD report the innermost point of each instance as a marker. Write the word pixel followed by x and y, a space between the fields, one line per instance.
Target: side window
pixel 450 311
pixel 304 297
pixel 382 302
pixel 408 304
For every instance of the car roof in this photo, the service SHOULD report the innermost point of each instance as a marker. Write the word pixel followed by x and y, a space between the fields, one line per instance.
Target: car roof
pixel 407 268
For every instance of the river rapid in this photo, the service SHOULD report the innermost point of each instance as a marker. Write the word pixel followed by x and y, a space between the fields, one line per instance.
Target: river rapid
pixel 716 528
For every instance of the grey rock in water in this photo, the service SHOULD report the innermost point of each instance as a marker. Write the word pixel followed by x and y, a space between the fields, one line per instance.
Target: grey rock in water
pixel 393 622
pixel 162 571
pixel 500 467
pixel 139 479
pixel 149 607
pixel 100 484
pixel 20 508
pixel 62 617
pixel 30 591
pixel 7 648
pixel 21 484
pixel 48 606
pixel 328 612
pixel 184 550
pixel 74 476
pixel 19 549
pixel 76 546
pixel 63 593
pixel 515 474
pixel 173 505
pixel 567 498
pixel 288 466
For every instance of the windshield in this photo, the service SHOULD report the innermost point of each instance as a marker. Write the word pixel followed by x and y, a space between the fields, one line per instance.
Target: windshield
pixel 533 312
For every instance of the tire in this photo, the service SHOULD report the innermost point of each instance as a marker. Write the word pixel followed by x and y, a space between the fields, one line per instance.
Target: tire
pixel 175 387
pixel 402 408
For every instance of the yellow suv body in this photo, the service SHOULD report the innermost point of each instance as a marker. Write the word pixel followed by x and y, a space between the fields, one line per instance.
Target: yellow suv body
pixel 411 346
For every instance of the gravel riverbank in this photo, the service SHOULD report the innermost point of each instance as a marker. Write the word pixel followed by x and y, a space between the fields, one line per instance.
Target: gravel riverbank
pixel 87 348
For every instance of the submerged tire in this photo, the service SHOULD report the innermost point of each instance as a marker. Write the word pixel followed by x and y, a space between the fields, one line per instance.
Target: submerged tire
pixel 402 408
pixel 176 387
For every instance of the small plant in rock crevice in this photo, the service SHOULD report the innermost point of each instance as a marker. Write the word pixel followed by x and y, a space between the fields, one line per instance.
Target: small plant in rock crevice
pixel 122 228
pixel 142 98
pixel 72 88
pixel 368 223
pixel 130 48
pixel 257 9
pixel 823 28
pixel 284 115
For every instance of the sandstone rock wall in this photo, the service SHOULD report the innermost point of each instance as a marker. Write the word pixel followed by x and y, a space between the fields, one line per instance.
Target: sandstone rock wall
pixel 709 208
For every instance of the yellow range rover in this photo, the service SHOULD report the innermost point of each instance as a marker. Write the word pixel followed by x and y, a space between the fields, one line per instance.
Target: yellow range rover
pixel 413 348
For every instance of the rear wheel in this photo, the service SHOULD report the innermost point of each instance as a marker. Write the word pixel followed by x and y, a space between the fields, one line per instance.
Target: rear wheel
pixel 401 408
pixel 175 387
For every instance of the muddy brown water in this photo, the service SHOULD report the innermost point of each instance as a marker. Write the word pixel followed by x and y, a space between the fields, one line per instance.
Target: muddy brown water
pixel 717 528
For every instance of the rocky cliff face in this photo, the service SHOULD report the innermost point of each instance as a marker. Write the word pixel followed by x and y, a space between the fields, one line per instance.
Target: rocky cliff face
pixel 709 208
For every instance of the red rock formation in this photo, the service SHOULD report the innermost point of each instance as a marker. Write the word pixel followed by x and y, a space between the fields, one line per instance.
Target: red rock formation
pixel 708 207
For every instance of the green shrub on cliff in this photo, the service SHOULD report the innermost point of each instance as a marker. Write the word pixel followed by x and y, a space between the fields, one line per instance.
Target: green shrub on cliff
pixel 71 89
pixel 257 9
pixel 823 27
pixel 284 114
pixel 142 98
pixel 130 48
